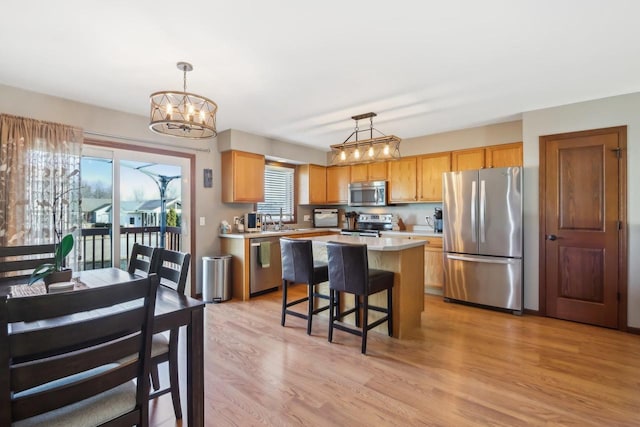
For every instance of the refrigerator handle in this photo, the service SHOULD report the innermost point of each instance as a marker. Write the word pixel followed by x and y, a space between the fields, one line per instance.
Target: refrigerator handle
pixel 483 208
pixel 474 203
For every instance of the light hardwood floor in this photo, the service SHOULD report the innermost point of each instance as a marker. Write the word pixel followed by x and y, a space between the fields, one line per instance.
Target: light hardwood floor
pixel 465 366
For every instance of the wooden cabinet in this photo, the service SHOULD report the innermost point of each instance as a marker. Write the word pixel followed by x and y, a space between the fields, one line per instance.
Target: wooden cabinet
pixel 499 156
pixel 402 180
pixel 242 177
pixel 473 158
pixel 312 184
pixel 433 264
pixel 493 156
pixel 338 178
pixel 430 170
pixel 369 172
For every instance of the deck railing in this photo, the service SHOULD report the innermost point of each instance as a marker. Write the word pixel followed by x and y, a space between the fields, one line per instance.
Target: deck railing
pixel 96 248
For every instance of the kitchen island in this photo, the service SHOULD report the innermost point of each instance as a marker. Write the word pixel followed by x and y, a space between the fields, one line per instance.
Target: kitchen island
pixel 402 256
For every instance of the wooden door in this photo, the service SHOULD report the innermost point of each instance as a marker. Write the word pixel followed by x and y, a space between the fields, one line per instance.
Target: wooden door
pixel 462 160
pixel 583 257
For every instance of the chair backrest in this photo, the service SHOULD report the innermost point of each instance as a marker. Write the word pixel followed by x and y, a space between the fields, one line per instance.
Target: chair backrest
pixel 144 259
pixel 17 262
pixel 297 260
pixel 348 267
pixel 173 268
pixel 58 349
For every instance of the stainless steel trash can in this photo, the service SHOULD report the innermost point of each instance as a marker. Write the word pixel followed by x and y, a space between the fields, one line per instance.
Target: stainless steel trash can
pixel 216 278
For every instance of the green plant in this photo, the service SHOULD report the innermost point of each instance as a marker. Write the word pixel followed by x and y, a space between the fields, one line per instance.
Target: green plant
pixel 62 250
pixel 172 218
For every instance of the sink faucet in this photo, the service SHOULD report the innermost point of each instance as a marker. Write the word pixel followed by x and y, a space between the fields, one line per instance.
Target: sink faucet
pixel 280 220
pixel 273 223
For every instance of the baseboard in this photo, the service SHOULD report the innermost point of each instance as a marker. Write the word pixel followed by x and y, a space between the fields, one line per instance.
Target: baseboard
pixel 532 312
pixel 633 330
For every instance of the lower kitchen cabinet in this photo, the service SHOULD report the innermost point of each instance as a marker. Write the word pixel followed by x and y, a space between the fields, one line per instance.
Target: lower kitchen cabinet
pixel 433 265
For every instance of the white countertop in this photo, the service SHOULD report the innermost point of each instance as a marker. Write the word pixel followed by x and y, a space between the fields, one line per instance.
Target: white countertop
pixel 392 234
pixel 373 243
pixel 410 233
pixel 259 234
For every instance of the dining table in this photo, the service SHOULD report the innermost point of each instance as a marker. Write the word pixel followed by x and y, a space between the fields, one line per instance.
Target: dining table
pixel 172 310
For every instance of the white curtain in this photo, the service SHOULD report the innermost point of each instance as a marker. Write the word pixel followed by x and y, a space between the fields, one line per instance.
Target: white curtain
pixel 39 181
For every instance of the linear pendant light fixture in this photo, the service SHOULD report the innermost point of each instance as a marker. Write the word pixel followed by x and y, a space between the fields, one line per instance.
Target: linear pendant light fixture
pixel 183 114
pixel 366 150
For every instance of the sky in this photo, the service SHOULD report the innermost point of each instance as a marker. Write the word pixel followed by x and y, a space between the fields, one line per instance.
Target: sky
pixel 132 181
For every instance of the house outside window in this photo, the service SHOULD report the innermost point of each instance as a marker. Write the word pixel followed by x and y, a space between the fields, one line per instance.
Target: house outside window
pixel 279 192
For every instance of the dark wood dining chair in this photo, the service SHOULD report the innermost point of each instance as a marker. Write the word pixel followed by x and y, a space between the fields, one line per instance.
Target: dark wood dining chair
pixel 144 259
pixel 61 356
pixel 172 269
pixel 17 263
pixel 349 272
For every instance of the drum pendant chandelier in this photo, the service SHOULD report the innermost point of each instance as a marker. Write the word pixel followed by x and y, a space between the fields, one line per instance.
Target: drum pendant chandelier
pixel 384 147
pixel 183 114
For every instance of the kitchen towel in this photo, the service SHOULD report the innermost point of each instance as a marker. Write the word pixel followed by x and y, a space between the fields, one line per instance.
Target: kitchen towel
pixel 265 254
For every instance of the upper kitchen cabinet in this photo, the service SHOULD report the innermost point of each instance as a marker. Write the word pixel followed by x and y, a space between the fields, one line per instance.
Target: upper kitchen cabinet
pixel 493 156
pixel 430 170
pixel 473 158
pixel 338 178
pixel 242 177
pixel 402 180
pixel 312 184
pixel 500 156
pixel 369 172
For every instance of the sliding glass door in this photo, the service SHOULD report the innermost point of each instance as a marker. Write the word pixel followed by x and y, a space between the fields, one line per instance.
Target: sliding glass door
pixel 131 197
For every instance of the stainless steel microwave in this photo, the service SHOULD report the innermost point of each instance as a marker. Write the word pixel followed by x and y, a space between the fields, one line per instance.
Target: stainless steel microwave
pixel 371 193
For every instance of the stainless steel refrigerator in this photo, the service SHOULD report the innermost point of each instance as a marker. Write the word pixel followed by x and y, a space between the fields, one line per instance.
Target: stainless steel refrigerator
pixel 482 237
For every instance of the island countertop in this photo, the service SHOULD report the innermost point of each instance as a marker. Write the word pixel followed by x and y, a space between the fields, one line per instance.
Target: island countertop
pixel 405 258
pixel 373 243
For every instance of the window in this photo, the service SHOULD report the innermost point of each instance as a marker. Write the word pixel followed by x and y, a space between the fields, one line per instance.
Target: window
pixel 279 193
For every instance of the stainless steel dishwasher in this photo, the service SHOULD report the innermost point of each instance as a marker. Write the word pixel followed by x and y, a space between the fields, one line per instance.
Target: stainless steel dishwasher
pixel 261 277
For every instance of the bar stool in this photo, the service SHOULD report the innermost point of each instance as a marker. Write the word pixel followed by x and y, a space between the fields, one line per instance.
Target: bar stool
pixel 349 272
pixel 298 266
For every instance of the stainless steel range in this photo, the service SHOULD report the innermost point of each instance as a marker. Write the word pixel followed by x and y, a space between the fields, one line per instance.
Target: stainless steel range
pixel 370 225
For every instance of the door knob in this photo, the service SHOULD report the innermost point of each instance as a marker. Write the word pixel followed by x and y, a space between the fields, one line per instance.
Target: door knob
pixel 552 237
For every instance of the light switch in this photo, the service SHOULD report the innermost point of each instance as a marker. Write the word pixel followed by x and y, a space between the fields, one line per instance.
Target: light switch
pixel 307 217
pixel 201 220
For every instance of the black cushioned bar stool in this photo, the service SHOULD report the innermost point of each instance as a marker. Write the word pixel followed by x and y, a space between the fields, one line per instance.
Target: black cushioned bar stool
pixel 298 266
pixel 349 272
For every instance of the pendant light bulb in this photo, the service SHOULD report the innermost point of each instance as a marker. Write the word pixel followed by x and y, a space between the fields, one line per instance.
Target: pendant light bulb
pixel 356 153
pixel 386 149
pixel 343 155
pixel 371 152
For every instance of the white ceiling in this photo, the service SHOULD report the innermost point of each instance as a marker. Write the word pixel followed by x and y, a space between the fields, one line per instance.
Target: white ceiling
pixel 298 70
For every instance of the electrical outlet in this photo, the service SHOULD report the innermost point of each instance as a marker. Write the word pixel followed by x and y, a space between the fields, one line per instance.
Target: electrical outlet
pixel 236 219
pixel 202 222
pixel 307 218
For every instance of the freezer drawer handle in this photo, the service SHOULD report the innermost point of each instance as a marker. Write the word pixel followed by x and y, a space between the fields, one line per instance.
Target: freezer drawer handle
pixel 255 245
pixel 485 260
